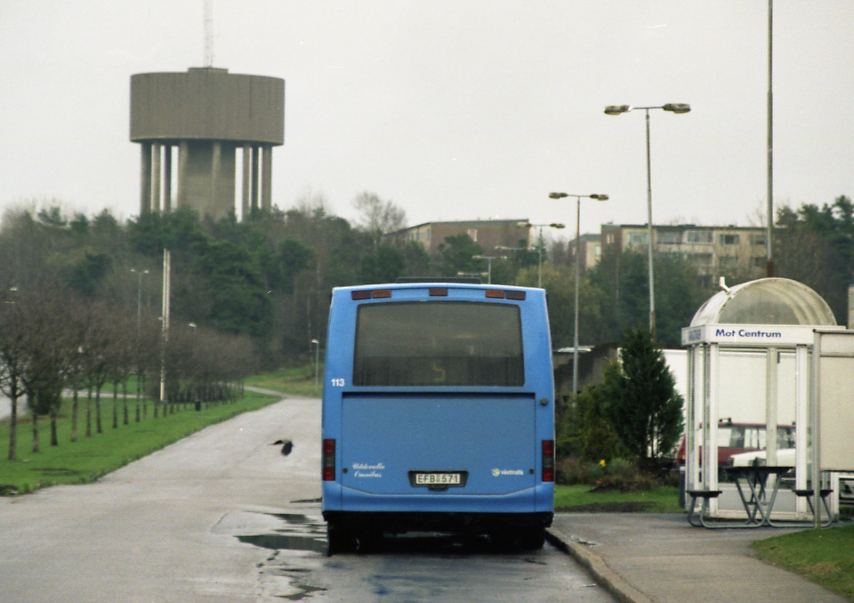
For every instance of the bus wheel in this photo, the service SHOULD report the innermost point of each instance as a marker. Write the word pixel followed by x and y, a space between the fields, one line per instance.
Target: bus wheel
pixel 533 539
pixel 366 541
pixel 517 540
pixel 338 540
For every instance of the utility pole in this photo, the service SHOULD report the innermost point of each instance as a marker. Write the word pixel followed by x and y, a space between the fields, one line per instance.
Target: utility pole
pixel 167 276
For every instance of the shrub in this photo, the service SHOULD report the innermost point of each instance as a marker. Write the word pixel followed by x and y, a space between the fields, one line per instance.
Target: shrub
pixel 617 474
pixel 583 427
pixel 625 476
pixel 574 470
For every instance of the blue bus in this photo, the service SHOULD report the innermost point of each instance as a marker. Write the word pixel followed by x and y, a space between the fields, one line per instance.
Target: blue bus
pixel 438 413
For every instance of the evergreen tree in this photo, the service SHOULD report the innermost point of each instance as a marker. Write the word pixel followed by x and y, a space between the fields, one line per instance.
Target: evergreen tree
pixel 455 255
pixel 644 407
pixel 618 296
pixel 815 245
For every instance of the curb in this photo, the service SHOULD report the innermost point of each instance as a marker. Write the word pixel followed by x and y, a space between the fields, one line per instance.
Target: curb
pixel 604 575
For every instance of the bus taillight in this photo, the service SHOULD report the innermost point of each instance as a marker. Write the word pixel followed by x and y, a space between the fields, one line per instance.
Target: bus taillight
pixel 548 460
pixel 329 460
pixel 361 294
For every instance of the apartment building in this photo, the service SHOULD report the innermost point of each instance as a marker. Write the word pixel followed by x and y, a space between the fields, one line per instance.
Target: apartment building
pixel 590 249
pixel 489 234
pixel 730 251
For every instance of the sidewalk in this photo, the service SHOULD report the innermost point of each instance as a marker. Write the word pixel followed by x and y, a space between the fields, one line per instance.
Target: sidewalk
pixel 645 557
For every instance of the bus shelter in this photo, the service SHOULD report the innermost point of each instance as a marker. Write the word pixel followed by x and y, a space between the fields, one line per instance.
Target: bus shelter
pixel 749 352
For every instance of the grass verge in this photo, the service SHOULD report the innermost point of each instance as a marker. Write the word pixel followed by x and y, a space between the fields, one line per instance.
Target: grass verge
pixel 580 498
pixel 89 458
pixel 297 381
pixel 825 556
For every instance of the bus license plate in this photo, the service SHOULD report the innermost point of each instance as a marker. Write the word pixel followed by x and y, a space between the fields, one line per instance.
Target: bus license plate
pixel 437 479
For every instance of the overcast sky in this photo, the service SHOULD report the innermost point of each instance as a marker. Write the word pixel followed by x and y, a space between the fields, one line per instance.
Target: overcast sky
pixel 456 109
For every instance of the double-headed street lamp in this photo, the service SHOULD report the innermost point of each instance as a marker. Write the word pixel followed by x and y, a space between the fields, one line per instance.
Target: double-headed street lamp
pixel 578 198
pixel 677 108
pixel 555 225
pixel 489 259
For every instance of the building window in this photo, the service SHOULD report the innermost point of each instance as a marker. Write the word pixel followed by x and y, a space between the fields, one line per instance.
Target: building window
pixel 728 239
pixel 698 236
pixel 757 239
pixel 636 239
pixel 668 237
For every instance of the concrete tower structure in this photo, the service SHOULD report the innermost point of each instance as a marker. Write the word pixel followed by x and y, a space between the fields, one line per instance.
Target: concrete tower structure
pixel 207 114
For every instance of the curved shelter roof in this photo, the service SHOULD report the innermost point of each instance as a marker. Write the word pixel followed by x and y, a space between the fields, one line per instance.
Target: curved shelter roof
pixel 767 301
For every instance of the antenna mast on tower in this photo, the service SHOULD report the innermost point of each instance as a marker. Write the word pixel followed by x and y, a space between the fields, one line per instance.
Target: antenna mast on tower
pixel 209 53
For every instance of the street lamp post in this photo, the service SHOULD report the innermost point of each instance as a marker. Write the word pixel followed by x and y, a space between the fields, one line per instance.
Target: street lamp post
pixel 540 227
pixel 489 259
pixel 578 198
pixel 194 391
pixel 677 108
pixel 316 344
pixel 167 280
pixel 139 274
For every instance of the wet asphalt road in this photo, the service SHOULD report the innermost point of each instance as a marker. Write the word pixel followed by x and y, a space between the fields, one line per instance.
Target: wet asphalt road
pixel 223 516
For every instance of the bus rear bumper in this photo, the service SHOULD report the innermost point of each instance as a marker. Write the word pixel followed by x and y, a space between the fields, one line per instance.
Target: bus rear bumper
pixel 361 511
pixel 458 522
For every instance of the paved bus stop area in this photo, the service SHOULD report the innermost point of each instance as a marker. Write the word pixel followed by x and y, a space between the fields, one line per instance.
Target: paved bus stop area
pixel 659 557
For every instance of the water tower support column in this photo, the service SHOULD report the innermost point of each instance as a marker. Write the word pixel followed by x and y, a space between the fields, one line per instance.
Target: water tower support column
pixel 254 178
pixel 145 178
pixel 167 177
pixel 156 191
pixel 247 178
pixel 267 178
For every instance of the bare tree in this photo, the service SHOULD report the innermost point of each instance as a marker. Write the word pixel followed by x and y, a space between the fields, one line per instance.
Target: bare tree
pixel 46 352
pixel 145 359
pixel 13 357
pixel 313 204
pixel 378 217
pixel 95 362
pixel 119 358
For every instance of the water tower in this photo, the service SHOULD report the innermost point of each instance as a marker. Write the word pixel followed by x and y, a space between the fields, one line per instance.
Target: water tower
pixel 205 116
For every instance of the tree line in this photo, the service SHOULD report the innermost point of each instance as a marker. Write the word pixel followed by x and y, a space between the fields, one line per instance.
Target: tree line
pixel 257 290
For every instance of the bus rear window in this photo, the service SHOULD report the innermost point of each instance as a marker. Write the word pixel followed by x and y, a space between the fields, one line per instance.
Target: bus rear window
pixel 438 343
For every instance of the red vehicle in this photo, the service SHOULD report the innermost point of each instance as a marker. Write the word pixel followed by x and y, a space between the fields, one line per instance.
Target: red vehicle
pixel 734 438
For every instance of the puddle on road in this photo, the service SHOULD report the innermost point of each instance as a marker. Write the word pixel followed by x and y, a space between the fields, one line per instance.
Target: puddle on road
pixel 305 591
pixel 285 541
pixel 298 533
pixel 293 518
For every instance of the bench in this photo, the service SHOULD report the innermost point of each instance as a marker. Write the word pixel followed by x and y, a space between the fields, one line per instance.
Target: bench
pixel 698 521
pixel 808 493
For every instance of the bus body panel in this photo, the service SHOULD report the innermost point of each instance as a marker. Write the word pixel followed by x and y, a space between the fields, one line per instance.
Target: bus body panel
pixel 486 438
pixel 493 433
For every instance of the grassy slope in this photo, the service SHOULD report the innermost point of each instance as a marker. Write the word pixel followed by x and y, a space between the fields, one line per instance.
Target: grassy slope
pixel 89 458
pixel 298 381
pixel 825 556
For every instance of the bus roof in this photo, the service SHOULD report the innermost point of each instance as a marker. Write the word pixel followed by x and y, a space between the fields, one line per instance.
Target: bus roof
pixel 445 285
